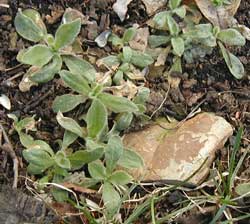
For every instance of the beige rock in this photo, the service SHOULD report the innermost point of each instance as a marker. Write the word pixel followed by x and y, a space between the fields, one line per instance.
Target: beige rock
pixel 153 5
pixel 176 154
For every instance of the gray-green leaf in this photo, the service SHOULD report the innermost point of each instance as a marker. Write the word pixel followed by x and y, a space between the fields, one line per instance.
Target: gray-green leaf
pixel 111 199
pixel 158 40
pixel 120 178
pixel 69 124
pixel 61 160
pixel 233 63
pixel 174 3
pixel 75 82
pixel 67 102
pixel 117 104
pixel 81 157
pixel 231 37
pixel 129 34
pixel 113 152
pixel 97 170
pixel 130 159
pixel 172 25
pixel 27 28
pixel 141 59
pixel 68 138
pixel 80 66
pixel 243 189
pixel 47 72
pixel 66 33
pixel 178 46
pixel 97 118
pixel 37 55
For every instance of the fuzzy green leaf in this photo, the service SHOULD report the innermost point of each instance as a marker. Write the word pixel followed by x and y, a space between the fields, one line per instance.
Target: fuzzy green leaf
pixel 231 37
pixel 75 82
pixel 141 59
pixel 130 159
pixel 61 160
pixel 172 26
pixel 180 11
pixel 97 118
pixel 127 54
pixel 178 46
pixel 233 63
pixel 173 4
pixel 26 26
pixel 117 104
pixel 67 102
pixel 113 152
pixel 81 157
pixel 37 55
pixel 66 33
pixel 38 157
pixel 158 40
pixel 160 20
pixel 129 34
pixel 111 199
pixel 120 178
pixel 47 72
pixel 97 170
pixel 68 138
pixel 80 66
pixel 69 124
pixel 34 169
pixel 123 121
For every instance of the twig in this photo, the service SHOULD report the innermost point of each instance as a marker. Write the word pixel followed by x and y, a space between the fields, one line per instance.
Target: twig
pixel 8 148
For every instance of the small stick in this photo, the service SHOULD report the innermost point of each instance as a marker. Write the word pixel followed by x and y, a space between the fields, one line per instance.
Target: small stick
pixel 8 148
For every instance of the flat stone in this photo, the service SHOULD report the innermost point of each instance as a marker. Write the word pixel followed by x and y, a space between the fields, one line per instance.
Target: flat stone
pixel 153 5
pixel 176 154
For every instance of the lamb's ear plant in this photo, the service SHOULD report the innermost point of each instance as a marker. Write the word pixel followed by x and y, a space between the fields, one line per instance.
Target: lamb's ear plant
pixel 192 41
pixel 46 56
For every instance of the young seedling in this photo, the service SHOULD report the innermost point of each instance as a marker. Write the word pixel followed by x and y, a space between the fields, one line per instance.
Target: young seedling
pixel 192 41
pixel 47 56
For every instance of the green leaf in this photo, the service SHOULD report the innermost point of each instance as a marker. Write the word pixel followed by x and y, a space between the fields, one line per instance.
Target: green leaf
pixel 117 104
pixel 113 152
pixel 172 25
pixel 130 159
pixel 118 78
pixel 34 169
pixel 129 34
pixel 38 157
pixel 111 199
pixel 61 160
pixel 28 123
pixel 69 124
pixel 80 67
pixel 127 54
pixel 47 72
pixel 123 121
pixel 141 59
pixel 97 170
pixel 243 189
pixel 116 41
pixel 178 46
pixel 180 11
pixel 173 4
pixel 26 27
pixel 142 96
pixel 109 61
pixel 67 102
pixel 231 37
pixel 160 20
pixel 120 178
pixel 26 140
pixel 233 63
pixel 176 66
pixel 66 34
pixel 71 15
pixel 158 40
pixel 97 118
pixel 75 82
pixel 68 138
pixel 81 157
pixel 37 55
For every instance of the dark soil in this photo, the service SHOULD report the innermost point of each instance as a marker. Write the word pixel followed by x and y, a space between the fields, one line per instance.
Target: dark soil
pixel 206 83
